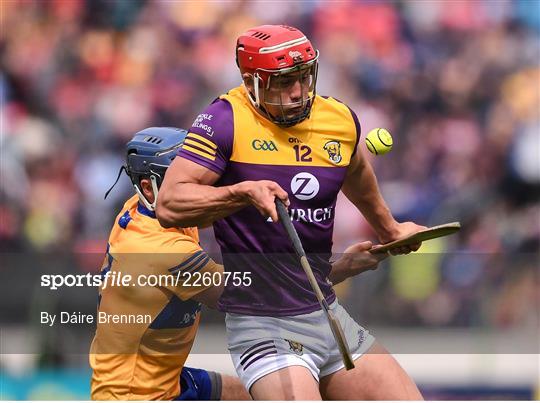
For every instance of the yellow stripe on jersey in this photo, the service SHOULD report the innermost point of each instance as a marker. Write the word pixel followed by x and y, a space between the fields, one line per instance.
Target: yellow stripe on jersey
pixel 204 147
pixel 202 139
pixel 326 139
pixel 199 152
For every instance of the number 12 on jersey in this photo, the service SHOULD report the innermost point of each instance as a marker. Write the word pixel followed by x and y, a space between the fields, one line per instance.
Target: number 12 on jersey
pixel 302 153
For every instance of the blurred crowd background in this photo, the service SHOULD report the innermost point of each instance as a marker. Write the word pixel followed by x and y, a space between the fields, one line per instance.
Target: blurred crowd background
pixel 457 83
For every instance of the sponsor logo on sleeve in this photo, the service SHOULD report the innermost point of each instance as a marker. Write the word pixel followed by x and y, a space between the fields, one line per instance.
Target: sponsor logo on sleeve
pixel 203 122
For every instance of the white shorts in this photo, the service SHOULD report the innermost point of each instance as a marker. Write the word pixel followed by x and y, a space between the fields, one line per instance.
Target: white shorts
pixel 260 345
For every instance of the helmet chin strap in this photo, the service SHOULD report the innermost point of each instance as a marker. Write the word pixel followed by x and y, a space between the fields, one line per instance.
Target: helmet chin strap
pixel 250 96
pixel 256 79
pixel 142 198
pixel 122 168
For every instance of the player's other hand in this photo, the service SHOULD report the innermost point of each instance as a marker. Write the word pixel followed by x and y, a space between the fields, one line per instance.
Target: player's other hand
pixel 355 260
pixel 262 195
pixel 401 230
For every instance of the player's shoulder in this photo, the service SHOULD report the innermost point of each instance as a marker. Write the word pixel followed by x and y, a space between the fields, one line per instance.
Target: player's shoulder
pixel 173 240
pixel 210 137
pixel 211 130
pixel 136 230
pixel 334 103
pixel 124 217
pixel 328 103
pixel 156 252
pixel 152 237
pixel 129 205
pixel 218 115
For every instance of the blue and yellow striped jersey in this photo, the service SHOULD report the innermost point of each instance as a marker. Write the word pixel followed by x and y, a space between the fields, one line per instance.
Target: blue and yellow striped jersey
pixel 145 332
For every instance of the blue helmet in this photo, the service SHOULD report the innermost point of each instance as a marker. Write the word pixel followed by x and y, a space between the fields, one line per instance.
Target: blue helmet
pixel 148 155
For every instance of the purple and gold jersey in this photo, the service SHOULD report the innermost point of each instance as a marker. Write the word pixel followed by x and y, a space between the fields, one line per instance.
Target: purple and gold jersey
pixel 145 331
pixel 309 161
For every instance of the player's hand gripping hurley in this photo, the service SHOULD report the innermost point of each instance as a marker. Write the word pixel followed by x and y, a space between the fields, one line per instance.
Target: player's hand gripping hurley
pixel 334 323
pixel 419 236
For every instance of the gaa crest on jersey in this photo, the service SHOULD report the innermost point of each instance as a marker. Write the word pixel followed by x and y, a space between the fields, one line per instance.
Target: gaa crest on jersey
pixel 333 148
pixel 263 145
pixel 295 347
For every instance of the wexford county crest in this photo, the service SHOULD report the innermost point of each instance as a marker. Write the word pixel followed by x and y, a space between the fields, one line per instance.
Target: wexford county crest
pixel 295 347
pixel 333 148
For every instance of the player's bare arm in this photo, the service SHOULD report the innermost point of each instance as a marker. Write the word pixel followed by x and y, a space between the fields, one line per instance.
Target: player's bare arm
pixel 355 260
pixel 362 190
pixel 210 296
pixel 188 198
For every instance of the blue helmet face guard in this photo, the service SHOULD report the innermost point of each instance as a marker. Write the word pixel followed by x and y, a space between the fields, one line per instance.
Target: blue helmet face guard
pixel 148 155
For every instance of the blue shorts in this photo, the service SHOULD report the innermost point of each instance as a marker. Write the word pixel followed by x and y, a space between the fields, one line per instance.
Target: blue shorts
pixel 198 384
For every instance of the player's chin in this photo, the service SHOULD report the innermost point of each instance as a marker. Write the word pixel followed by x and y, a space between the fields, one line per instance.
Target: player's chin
pixel 293 113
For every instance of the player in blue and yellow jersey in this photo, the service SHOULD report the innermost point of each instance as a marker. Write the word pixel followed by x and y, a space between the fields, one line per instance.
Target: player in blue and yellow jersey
pixel 146 326
pixel 273 137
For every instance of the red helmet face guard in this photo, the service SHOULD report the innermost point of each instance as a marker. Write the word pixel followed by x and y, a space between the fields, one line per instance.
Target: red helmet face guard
pixel 285 96
pixel 283 66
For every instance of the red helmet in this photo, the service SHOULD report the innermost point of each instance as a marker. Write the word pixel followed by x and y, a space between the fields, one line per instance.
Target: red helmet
pixel 270 52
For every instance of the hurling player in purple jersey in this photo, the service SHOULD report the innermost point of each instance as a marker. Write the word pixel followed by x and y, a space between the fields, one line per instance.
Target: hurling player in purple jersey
pixel 273 137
